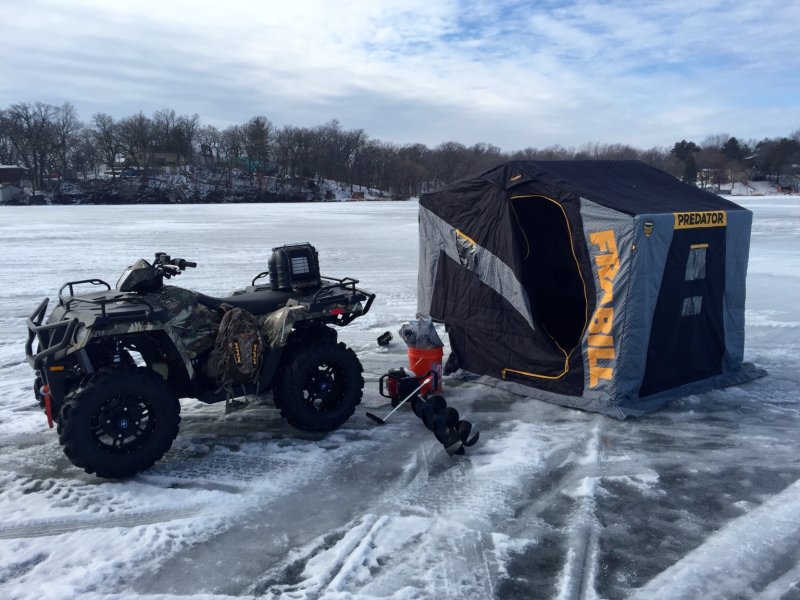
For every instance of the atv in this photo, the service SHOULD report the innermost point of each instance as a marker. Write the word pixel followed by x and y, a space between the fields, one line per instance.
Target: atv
pixel 111 363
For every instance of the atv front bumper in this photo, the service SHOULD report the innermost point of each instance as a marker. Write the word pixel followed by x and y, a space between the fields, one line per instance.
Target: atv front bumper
pixel 53 338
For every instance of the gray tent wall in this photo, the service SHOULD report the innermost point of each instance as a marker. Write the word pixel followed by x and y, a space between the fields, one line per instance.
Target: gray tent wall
pixel 614 351
pixel 642 259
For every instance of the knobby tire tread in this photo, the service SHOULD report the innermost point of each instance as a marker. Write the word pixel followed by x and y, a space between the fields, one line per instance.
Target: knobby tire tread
pixel 75 415
pixel 288 390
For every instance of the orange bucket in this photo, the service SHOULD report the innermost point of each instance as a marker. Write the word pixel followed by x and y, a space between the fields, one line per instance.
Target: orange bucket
pixel 422 360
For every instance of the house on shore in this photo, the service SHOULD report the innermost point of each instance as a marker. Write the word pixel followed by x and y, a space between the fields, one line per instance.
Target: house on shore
pixel 11 183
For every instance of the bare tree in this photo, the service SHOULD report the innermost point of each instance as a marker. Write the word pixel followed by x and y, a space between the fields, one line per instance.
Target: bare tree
pixel 31 133
pixel 107 139
pixel 711 164
pixel 590 151
pixel 7 153
pixel 86 154
pixel 232 143
pixel 449 158
pixel 482 157
pixel 408 173
pixel 294 146
pixel 50 141
pixel 716 141
pixel 66 127
pixel 556 152
pixel 353 144
pixel 174 134
pixel 138 141
pixel 164 124
pixel 209 144
pixel 185 133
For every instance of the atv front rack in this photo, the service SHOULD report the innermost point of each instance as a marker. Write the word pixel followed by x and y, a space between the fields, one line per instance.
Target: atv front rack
pixel 103 302
pixel 71 285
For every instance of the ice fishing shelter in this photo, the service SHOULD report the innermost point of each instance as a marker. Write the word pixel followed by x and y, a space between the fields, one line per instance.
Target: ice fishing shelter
pixel 603 285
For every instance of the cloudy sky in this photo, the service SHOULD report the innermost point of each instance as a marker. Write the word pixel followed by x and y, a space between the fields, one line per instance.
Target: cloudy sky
pixel 514 74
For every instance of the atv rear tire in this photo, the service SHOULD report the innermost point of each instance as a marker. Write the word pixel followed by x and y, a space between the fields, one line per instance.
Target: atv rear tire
pixel 119 422
pixel 319 387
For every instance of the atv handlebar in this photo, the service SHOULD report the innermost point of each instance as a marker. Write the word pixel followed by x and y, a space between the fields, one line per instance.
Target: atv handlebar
pixel 163 259
pixel 171 266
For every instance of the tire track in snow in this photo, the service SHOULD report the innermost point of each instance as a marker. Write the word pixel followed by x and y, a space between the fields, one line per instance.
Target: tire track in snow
pixel 577 579
pixel 355 549
pixel 436 533
pixel 46 527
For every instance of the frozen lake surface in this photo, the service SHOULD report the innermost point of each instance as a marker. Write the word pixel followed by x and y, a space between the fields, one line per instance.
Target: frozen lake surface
pixel 699 500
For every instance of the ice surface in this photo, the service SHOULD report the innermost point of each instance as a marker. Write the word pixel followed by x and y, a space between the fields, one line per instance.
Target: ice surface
pixel 699 500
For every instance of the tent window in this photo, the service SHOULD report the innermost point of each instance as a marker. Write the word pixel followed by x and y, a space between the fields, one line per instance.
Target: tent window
pixel 696 263
pixel 692 306
pixel 467 251
pixel 550 271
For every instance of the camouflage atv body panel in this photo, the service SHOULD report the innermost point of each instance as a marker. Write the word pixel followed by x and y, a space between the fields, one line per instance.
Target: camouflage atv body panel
pixel 85 329
pixel 190 326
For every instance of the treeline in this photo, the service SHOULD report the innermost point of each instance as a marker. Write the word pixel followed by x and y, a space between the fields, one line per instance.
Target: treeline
pixel 55 145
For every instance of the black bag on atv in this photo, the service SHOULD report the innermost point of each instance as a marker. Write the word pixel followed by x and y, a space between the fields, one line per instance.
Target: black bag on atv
pixel 238 348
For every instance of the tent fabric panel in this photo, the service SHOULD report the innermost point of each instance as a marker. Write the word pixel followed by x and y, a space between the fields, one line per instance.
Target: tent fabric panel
pixel 486 333
pixel 480 211
pixel 622 407
pixel 431 243
pixel 637 406
pixel 578 401
pixel 569 383
pixel 436 237
pixel 736 258
pixel 648 262
pixel 687 338
pixel 629 186
pixel 612 352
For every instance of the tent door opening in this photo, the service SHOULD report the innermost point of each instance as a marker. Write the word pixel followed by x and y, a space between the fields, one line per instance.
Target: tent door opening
pixel 550 270
pixel 687 339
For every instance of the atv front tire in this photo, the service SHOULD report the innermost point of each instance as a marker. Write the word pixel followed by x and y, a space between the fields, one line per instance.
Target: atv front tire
pixel 38 382
pixel 319 386
pixel 119 422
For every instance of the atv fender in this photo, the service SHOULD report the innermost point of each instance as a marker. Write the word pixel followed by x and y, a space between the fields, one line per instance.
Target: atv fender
pixel 278 326
pixel 280 333
pixel 276 329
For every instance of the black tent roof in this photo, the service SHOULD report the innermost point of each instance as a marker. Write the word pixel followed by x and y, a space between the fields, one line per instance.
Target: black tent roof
pixel 629 186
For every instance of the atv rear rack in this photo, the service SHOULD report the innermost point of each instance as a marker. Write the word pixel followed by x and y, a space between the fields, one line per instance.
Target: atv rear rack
pixel 347 284
pixel 323 296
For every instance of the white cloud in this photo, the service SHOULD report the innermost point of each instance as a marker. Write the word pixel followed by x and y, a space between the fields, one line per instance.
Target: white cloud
pixel 514 74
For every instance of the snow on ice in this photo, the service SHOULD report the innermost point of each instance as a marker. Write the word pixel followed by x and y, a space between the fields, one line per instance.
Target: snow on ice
pixel 699 500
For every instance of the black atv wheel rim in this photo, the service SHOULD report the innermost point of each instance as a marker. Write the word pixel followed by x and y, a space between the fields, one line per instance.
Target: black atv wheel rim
pixel 123 424
pixel 325 387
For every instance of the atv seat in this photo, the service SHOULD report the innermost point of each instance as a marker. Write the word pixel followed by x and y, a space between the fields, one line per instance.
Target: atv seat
pixel 257 303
